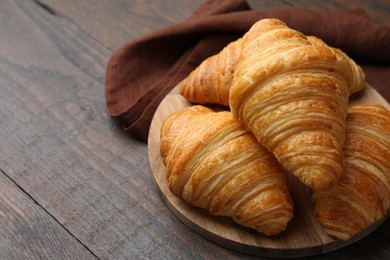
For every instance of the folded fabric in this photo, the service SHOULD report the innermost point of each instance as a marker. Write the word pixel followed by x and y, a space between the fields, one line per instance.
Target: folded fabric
pixel 142 72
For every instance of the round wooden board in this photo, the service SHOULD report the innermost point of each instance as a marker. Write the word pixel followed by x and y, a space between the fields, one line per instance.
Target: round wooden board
pixel 304 235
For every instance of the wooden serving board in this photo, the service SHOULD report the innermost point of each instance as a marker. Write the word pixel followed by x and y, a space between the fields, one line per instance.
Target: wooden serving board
pixel 304 235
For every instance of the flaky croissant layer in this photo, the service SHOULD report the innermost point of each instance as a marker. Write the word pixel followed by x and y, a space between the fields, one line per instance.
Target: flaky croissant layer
pixel 293 95
pixel 363 195
pixel 210 82
pixel 214 163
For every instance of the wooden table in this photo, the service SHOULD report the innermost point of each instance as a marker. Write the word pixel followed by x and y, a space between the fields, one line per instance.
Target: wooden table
pixel 73 185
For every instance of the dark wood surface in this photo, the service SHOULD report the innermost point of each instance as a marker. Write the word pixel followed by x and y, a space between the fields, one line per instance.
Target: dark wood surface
pixel 73 185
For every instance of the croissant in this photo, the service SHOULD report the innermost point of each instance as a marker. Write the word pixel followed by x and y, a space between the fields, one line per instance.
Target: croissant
pixel 363 195
pixel 359 77
pixel 293 96
pixel 214 163
pixel 210 82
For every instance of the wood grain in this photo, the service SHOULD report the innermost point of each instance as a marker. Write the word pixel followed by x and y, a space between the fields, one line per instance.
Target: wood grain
pixel 59 145
pixel 27 230
pixel 304 235
pixel 127 19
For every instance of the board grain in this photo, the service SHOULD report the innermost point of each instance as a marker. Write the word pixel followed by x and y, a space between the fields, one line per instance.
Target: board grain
pixel 304 235
pixel 60 147
pixel 21 220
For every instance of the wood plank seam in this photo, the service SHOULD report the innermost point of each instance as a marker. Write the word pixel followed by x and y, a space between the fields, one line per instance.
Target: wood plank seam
pixel 47 212
pixel 45 7
pixel 61 16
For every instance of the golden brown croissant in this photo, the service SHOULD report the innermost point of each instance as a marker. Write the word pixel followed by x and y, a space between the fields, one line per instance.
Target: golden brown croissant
pixel 359 77
pixel 363 195
pixel 214 163
pixel 293 96
pixel 210 82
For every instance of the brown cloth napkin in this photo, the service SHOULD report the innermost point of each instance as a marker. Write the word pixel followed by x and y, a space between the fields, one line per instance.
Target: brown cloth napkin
pixel 143 71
